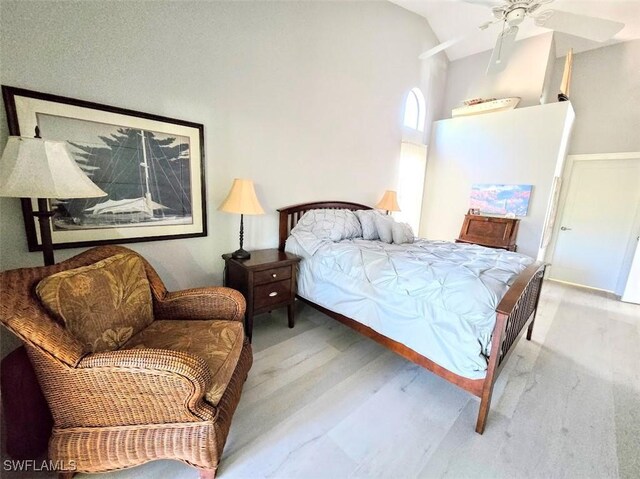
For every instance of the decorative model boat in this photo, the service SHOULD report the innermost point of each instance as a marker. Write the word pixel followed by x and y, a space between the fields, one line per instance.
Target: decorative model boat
pixel 491 106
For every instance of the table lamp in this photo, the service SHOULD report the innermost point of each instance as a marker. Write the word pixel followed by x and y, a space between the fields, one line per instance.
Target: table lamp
pixel 389 201
pixel 42 169
pixel 242 199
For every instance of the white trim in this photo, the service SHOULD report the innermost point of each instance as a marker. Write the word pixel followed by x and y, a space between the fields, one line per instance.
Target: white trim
pixel 605 156
pixel 580 285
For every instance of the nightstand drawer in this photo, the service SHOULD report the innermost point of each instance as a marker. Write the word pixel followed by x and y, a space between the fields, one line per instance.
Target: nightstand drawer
pixel 272 275
pixel 267 280
pixel 273 293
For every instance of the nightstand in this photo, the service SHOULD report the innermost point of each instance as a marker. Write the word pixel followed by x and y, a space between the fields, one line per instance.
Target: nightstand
pixel 267 280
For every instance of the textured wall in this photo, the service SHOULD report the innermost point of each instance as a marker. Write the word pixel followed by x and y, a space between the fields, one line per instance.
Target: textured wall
pixel 305 98
pixel 605 92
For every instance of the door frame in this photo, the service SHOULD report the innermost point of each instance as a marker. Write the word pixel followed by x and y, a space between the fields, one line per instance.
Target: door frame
pixel 567 177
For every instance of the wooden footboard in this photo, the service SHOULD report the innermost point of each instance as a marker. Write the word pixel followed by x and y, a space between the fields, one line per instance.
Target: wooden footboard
pixel 515 312
pixel 517 309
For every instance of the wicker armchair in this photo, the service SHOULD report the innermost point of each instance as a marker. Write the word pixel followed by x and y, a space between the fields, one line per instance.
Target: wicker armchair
pixel 117 409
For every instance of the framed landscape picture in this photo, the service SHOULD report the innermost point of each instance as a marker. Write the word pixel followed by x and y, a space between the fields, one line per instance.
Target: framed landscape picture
pixel 151 167
pixel 501 199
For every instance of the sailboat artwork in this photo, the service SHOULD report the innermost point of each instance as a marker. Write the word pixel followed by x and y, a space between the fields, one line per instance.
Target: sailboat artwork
pixel 150 166
pixel 145 174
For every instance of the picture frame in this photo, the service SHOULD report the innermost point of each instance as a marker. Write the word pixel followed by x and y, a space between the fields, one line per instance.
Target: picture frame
pixel 151 166
pixel 500 199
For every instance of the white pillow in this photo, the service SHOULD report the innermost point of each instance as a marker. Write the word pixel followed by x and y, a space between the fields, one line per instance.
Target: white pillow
pixel 308 241
pixel 352 226
pixel 402 233
pixel 334 225
pixel 366 217
pixel 384 226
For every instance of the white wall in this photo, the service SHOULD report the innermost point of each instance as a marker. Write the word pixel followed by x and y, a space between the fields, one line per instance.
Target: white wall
pixel 605 92
pixel 305 98
pixel 524 75
pixel 522 146
pixel 435 72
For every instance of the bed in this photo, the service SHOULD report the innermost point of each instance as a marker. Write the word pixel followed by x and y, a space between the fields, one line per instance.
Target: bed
pixel 517 302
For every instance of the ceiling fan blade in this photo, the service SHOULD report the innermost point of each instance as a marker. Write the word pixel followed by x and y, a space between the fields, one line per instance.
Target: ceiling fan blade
pixel 502 51
pixel 486 3
pixel 449 43
pixel 591 28
pixel 443 46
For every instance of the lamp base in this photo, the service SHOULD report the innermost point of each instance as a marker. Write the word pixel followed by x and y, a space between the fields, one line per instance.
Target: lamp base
pixel 241 254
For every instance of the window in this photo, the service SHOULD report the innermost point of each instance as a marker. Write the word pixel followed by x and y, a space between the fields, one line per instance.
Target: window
pixel 414 110
pixel 413 163
pixel 413 160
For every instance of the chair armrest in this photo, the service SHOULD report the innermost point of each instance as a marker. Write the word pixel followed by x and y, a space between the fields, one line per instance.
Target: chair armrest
pixel 201 303
pixel 135 386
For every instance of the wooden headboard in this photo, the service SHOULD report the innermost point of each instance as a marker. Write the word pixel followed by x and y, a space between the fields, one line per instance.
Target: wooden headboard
pixel 289 215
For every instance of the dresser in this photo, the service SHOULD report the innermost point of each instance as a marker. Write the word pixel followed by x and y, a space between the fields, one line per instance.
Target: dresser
pixel 267 280
pixel 490 231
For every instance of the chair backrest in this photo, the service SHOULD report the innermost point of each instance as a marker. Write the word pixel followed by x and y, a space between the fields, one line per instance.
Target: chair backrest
pixel 23 314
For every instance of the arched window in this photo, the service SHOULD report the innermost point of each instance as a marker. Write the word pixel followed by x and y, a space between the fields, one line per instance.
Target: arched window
pixel 413 160
pixel 414 110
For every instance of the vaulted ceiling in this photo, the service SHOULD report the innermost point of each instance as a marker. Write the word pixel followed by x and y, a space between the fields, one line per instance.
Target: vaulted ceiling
pixel 451 19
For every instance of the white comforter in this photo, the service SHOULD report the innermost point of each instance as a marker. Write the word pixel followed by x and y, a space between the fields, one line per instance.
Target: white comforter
pixel 437 298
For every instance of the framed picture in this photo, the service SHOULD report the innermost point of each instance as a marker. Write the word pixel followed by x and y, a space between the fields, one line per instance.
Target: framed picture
pixel 151 167
pixel 499 199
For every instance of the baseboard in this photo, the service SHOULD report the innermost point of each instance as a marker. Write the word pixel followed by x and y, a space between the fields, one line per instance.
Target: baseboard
pixel 583 286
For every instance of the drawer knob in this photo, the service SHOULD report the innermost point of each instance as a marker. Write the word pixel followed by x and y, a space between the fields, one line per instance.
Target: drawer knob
pixel 274 275
pixel 275 293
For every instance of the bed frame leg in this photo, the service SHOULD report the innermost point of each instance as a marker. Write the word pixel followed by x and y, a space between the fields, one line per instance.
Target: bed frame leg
pixel 530 329
pixel 535 309
pixel 483 412
pixel 492 366
pixel 533 319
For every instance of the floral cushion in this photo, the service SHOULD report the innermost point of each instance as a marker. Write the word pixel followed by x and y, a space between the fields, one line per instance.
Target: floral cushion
pixel 102 305
pixel 218 342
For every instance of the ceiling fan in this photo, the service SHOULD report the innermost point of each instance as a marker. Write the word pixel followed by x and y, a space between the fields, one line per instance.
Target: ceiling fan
pixel 512 13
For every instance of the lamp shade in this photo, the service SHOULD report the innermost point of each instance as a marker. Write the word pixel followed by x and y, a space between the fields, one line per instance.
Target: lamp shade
pixel 37 168
pixel 389 201
pixel 242 199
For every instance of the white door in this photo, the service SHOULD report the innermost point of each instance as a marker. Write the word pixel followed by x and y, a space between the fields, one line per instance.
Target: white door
pixel 597 223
